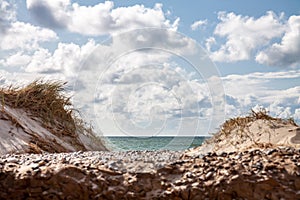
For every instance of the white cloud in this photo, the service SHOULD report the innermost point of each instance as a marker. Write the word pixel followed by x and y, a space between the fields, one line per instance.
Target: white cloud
pixel 151 37
pixel 262 77
pixel 25 36
pixel 8 11
pixel 67 59
pixel 250 90
pixel 244 35
pixel 132 86
pixel 284 97
pixel 7 15
pixel 16 60
pixel 159 85
pixel 287 52
pixel 198 24
pixel 275 75
pixel 280 111
pixel 120 67
pixel 150 98
pixel 209 42
pixel 259 84
pixel 148 87
pixel 81 19
pixel 297 114
pixel 51 14
pixel 248 37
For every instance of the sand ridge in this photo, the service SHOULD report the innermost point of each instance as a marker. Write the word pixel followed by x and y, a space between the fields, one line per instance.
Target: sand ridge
pixel 254 133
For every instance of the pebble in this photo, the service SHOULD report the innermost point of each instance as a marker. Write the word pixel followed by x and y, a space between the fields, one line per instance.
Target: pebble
pixel 235 177
pixel 12 160
pixel 208 175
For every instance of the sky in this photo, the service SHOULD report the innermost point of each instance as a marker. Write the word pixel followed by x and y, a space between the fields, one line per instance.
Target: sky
pixel 154 68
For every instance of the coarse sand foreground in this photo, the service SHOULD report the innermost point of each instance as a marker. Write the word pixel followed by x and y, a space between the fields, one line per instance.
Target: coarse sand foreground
pixel 270 173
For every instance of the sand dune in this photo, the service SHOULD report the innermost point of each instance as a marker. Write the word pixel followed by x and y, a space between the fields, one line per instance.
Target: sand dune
pixel 35 119
pixel 255 131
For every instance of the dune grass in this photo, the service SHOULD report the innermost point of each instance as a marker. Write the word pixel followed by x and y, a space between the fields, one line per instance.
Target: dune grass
pixel 240 126
pixel 45 101
pixel 242 122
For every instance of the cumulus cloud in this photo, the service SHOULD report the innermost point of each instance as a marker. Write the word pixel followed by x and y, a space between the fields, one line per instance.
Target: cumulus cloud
pixel 244 35
pixel 155 82
pixel 255 38
pixel 260 84
pixel 135 80
pixel 151 97
pixel 198 24
pixel 67 59
pixel 134 85
pixel 285 53
pixel 100 19
pixel 17 35
pixel 28 36
pixel 259 89
pixel 7 15
pixel 209 42
pixel 49 13
pixel 16 60
pixel 297 114
pixel 125 78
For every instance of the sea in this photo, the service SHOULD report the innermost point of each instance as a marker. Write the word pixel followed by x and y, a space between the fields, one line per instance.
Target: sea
pixel 153 143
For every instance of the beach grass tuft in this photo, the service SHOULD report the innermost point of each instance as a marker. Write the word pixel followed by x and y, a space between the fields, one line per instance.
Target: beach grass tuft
pixel 240 127
pixel 243 122
pixel 45 101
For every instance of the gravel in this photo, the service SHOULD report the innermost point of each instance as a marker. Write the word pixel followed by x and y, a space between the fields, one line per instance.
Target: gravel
pixel 144 175
pixel 124 161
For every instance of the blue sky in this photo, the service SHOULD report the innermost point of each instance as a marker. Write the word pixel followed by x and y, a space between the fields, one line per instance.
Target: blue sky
pixel 255 46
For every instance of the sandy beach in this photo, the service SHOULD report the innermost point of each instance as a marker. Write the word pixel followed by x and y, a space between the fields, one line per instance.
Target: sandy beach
pixel 250 157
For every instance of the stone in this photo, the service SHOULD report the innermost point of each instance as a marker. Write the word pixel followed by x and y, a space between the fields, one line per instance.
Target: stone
pixel 208 175
pixel 196 184
pixel 189 175
pixel 178 182
pixel 235 177
pixel 12 160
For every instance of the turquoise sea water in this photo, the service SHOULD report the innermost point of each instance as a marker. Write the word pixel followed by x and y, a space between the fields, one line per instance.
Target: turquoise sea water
pixel 153 143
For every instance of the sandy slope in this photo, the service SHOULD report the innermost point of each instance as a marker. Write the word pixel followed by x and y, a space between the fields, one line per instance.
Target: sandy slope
pixel 21 133
pixel 254 134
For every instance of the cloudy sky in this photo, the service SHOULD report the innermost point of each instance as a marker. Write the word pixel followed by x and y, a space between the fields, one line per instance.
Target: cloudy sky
pixel 138 68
